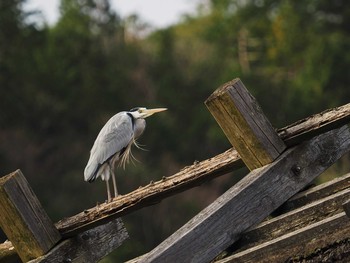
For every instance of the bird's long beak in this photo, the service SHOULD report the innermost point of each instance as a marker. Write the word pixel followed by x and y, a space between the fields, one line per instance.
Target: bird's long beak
pixel 149 112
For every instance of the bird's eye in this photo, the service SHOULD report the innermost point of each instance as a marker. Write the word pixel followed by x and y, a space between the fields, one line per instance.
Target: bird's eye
pixel 139 110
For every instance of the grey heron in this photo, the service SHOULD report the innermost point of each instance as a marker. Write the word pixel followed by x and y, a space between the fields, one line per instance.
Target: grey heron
pixel 113 144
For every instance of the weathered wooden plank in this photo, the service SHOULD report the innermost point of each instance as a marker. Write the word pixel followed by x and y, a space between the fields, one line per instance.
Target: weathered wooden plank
pixel 152 193
pixel 23 219
pixel 193 175
pixel 197 174
pixel 246 127
pixel 251 200
pixel 89 246
pixel 325 201
pixel 309 127
pixel 298 244
pixel 291 221
pixel 315 193
pixel 338 252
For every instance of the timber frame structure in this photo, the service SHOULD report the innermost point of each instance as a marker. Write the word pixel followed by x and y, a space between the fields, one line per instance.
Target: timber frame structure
pixel 308 226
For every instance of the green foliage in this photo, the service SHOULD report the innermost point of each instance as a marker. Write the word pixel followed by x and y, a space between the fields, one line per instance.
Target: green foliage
pixel 60 84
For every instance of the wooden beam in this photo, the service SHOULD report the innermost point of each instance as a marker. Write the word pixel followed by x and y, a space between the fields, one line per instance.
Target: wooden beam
pixel 23 219
pixel 315 193
pixel 194 175
pixel 251 200
pixel 338 251
pixel 89 246
pixel 318 209
pixel 245 125
pixel 292 221
pixel 197 174
pixel 313 125
pixel 152 193
pixel 299 244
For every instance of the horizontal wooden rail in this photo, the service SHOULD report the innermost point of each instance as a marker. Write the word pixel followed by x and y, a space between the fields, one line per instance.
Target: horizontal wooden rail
pixel 196 174
pixel 293 220
pixel 301 243
pixel 323 201
pixel 315 193
pixel 251 200
pixel 313 125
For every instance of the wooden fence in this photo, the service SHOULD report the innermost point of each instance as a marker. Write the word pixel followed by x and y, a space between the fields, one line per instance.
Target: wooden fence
pixel 282 163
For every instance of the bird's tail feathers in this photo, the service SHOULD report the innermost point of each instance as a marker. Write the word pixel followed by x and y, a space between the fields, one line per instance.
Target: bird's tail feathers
pixel 90 172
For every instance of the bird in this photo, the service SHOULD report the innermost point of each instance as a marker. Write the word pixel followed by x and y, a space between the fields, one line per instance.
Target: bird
pixel 113 145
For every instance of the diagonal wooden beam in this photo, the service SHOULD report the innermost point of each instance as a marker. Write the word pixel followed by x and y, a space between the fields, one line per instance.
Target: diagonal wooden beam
pixel 292 221
pixel 197 174
pixel 308 244
pixel 251 200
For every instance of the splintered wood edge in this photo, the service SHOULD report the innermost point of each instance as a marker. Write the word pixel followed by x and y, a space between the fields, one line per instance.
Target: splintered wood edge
pixel 226 162
pixel 188 177
pixel 292 134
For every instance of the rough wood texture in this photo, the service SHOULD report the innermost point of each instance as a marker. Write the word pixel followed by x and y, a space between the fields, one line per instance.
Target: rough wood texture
pixel 89 246
pixel 244 124
pixel 321 191
pixel 307 128
pixel 338 252
pixel 198 173
pixel 152 193
pixel 325 200
pixel 195 175
pixel 293 220
pixel 23 220
pixel 251 200
pixel 301 243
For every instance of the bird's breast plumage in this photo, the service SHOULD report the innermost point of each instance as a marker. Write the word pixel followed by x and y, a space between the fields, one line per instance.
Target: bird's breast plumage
pixel 139 127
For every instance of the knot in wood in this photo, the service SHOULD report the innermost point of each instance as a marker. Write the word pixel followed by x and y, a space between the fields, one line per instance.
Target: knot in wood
pixel 296 169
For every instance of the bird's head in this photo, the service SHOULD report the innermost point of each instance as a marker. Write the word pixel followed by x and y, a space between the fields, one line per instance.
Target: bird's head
pixel 141 112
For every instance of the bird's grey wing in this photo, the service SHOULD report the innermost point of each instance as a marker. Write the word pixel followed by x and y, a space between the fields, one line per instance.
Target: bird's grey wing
pixel 113 138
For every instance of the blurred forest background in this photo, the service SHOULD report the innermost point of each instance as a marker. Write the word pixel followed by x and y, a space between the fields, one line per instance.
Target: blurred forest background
pixel 59 84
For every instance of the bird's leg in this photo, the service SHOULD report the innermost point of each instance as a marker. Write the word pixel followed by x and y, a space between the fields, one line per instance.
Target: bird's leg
pixel 108 191
pixel 114 181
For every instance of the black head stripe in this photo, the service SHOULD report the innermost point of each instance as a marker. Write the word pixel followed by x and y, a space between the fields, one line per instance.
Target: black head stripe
pixel 132 119
pixel 135 109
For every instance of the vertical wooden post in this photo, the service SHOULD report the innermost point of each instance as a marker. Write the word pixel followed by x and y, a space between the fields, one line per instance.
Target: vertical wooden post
pixel 23 219
pixel 245 125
